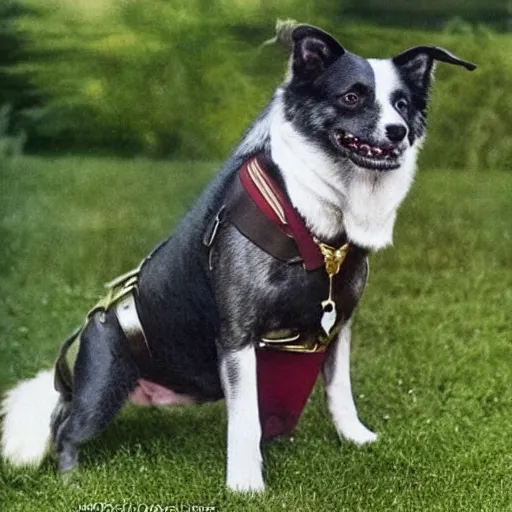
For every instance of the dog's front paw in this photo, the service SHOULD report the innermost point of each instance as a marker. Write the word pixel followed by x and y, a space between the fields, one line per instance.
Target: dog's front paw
pixel 357 433
pixel 246 481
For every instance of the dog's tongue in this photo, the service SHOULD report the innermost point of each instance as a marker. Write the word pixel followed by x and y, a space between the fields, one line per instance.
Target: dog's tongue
pixel 285 382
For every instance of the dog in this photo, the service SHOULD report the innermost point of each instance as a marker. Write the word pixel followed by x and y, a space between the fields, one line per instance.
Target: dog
pixel 256 287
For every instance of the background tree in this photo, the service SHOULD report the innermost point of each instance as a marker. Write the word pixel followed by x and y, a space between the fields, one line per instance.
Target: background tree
pixel 185 78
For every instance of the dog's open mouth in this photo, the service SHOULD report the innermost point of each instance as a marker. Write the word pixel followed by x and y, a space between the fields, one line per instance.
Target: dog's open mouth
pixel 364 154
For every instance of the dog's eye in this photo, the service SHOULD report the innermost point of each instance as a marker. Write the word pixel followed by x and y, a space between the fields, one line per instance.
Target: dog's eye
pixel 402 105
pixel 350 99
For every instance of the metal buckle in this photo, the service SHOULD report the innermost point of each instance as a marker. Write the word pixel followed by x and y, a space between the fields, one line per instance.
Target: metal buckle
pixel 285 347
pixel 286 343
pixel 215 227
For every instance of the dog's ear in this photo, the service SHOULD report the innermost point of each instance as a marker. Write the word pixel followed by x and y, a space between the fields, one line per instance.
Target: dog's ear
pixel 313 52
pixel 418 63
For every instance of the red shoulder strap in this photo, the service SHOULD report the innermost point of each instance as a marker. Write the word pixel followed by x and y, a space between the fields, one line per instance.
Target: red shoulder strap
pixel 276 206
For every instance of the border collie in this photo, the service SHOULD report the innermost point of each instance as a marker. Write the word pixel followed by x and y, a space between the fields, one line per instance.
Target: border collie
pixel 231 301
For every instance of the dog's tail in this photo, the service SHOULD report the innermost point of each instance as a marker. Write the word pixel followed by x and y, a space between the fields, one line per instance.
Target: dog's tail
pixel 27 415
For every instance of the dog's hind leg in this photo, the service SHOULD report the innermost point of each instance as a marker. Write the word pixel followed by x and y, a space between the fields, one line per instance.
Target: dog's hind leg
pixel 336 373
pixel 238 377
pixel 104 376
pixel 59 415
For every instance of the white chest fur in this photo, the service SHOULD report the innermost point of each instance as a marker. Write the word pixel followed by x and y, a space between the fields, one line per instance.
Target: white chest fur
pixel 332 196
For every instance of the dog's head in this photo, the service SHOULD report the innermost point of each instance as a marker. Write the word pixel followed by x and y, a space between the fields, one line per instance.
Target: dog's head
pixel 364 111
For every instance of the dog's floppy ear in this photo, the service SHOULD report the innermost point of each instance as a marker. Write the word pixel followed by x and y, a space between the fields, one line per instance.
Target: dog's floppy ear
pixel 417 63
pixel 313 52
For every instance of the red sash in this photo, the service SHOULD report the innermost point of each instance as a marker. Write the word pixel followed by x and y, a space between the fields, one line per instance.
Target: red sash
pixel 285 379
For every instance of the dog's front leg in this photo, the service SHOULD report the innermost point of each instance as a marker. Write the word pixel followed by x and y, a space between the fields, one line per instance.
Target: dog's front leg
pixel 336 373
pixel 238 376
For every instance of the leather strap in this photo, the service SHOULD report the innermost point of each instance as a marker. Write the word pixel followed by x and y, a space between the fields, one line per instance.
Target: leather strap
pixel 129 320
pixel 274 205
pixel 247 217
pixel 63 374
pixel 121 298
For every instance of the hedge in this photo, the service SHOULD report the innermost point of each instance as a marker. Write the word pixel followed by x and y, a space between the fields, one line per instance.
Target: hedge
pixel 185 78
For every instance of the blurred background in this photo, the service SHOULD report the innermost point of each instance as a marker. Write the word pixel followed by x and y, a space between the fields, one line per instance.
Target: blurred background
pixel 113 116
pixel 184 78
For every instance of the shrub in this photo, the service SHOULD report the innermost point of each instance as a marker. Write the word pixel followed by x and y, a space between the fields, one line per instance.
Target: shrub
pixel 470 118
pixel 11 144
pixel 185 78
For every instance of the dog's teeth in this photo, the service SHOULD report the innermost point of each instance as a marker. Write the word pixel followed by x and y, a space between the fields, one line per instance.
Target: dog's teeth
pixel 396 151
pixel 349 136
pixel 377 151
pixel 352 145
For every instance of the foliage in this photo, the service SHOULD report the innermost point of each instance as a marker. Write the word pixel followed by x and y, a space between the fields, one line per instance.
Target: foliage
pixel 14 89
pixel 430 13
pixel 470 116
pixel 185 78
pixel 149 76
pixel 10 145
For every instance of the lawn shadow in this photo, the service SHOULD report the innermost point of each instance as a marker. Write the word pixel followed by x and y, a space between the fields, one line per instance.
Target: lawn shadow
pixel 174 432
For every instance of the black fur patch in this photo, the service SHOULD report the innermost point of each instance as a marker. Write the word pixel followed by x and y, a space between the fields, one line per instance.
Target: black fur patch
pixel 315 108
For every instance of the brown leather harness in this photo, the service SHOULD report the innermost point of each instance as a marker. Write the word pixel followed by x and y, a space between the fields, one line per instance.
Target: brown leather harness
pixel 261 212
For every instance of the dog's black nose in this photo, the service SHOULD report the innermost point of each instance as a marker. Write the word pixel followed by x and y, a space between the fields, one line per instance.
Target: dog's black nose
pixel 396 132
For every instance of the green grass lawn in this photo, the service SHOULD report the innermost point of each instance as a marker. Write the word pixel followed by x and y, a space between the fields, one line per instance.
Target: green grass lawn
pixel 432 356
